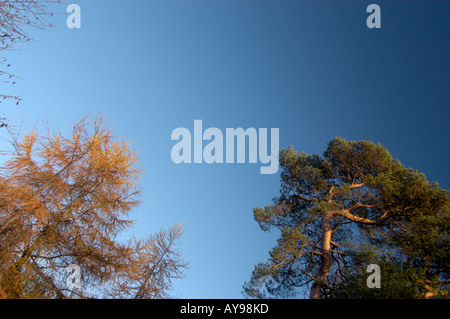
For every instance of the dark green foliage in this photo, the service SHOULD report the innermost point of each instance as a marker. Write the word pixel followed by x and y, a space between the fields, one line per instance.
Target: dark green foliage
pixel 357 193
pixel 399 281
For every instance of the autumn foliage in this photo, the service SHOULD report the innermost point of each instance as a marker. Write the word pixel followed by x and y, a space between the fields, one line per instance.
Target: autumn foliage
pixel 65 200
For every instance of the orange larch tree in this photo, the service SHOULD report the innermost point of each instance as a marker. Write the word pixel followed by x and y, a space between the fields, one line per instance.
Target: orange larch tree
pixel 64 200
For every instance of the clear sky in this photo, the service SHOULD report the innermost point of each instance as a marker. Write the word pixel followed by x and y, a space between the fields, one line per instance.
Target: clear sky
pixel 313 69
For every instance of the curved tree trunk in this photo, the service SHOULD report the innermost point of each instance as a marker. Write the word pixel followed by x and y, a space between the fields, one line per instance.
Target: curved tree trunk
pixel 326 257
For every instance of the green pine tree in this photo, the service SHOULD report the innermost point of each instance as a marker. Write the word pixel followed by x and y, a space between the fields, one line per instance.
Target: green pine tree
pixel 355 193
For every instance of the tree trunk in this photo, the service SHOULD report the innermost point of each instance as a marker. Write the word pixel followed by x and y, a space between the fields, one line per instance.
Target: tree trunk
pixel 326 257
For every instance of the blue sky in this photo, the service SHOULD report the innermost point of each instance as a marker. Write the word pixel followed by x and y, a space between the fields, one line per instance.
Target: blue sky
pixel 310 68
